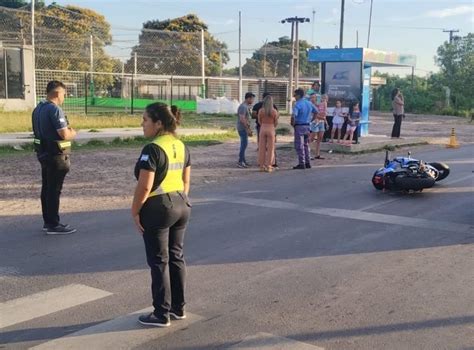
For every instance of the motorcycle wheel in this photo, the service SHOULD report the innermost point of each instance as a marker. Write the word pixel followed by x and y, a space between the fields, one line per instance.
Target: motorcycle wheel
pixel 442 168
pixel 414 183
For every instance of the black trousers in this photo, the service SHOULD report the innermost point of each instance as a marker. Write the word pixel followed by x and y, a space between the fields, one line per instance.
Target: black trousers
pixel 164 219
pixel 53 172
pixel 397 125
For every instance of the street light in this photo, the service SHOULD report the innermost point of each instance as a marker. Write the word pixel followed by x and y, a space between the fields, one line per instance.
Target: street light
pixel 370 22
pixel 295 53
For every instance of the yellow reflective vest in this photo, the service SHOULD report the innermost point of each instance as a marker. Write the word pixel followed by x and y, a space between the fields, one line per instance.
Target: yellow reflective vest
pixel 175 152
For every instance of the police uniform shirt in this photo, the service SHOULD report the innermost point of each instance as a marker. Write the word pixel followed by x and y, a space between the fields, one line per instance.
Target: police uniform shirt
pixel 47 119
pixel 153 158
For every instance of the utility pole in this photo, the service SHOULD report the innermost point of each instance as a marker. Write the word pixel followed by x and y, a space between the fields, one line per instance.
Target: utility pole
pixel 91 54
pixel 240 56
pixel 312 29
pixel 370 23
pixel 135 61
pixel 296 67
pixel 341 27
pixel 451 31
pixel 33 83
pixel 265 57
pixel 220 63
pixel 203 66
pixel 295 45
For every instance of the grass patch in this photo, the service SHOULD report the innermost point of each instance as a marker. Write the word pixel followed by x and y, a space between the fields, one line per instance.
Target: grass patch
pixel 11 150
pixel 283 131
pixel 218 121
pixel 21 121
pixel 131 142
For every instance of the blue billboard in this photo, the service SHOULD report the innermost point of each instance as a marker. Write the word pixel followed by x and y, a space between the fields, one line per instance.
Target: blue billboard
pixel 335 55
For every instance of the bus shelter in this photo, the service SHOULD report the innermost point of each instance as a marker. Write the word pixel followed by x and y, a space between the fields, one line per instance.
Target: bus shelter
pixel 346 75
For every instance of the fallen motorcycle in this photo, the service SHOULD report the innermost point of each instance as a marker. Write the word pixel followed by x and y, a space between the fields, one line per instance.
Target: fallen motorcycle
pixel 408 174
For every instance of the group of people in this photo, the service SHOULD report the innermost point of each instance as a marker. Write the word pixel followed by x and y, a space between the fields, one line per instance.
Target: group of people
pixel 160 207
pixel 309 120
pixel 266 116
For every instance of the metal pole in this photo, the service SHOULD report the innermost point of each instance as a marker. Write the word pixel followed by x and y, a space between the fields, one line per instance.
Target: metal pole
pixel 203 63
pixel 85 93
pixel 220 63
pixel 357 38
pixel 341 28
pixel 91 48
pixel 33 83
pixel 171 86
pixel 312 29
pixel 240 56
pixel 265 58
pixel 297 57
pixel 135 63
pixel 290 86
pixel 370 23
pixel 451 36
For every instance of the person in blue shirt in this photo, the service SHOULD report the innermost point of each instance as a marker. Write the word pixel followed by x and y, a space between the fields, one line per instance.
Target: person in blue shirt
pixel 301 117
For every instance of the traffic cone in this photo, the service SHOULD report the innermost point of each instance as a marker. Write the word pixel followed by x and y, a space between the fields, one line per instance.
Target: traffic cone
pixel 453 143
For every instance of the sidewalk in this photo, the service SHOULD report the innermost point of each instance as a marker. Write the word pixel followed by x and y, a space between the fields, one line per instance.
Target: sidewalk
pixel 375 142
pixel 83 136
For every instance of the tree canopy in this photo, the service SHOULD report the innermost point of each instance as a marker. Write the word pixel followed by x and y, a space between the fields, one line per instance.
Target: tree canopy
pixel 63 39
pixel 273 60
pixel 62 35
pixel 173 46
pixel 450 91
pixel 15 4
pixel 456 61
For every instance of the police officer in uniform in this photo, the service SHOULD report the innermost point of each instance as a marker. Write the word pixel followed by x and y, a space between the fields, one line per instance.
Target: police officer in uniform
pixel 161 211
pixel 52 144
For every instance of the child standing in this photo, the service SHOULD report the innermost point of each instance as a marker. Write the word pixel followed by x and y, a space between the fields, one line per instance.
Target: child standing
pixel 352 123
pixel 337 121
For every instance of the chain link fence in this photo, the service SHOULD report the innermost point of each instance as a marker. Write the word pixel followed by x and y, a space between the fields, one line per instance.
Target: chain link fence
pixel 130 93
pixel 127 71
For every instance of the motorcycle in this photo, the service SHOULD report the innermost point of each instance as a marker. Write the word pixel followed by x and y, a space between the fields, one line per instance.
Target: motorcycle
pixel 408 174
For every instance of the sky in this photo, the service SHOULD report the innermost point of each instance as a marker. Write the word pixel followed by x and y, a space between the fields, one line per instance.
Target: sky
pixel 403 26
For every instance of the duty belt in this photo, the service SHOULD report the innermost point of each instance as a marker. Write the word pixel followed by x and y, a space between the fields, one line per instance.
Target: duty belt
pixel 61 145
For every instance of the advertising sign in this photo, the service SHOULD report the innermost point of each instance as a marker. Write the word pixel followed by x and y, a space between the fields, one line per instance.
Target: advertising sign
pixel 342 80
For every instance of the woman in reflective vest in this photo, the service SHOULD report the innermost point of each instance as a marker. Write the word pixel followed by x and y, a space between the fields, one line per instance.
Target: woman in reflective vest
pixel 161 211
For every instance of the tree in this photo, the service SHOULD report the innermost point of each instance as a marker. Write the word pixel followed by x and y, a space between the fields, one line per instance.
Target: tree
pixel 456 61
pixel 423 96
pixel 273 60
pixel 173 47
pixel 15 4
pixel 63 38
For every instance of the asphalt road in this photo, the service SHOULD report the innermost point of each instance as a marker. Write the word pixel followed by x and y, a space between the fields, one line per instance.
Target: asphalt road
pixel 291 260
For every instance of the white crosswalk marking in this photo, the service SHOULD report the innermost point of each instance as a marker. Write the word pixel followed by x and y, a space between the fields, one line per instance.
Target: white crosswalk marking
pixel 266 341
pixel 45 303
pixel 121 333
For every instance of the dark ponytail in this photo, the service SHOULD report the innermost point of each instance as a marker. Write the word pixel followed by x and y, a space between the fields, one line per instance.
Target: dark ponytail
pixel 395 93
pixel 177 114
pixel 160 111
